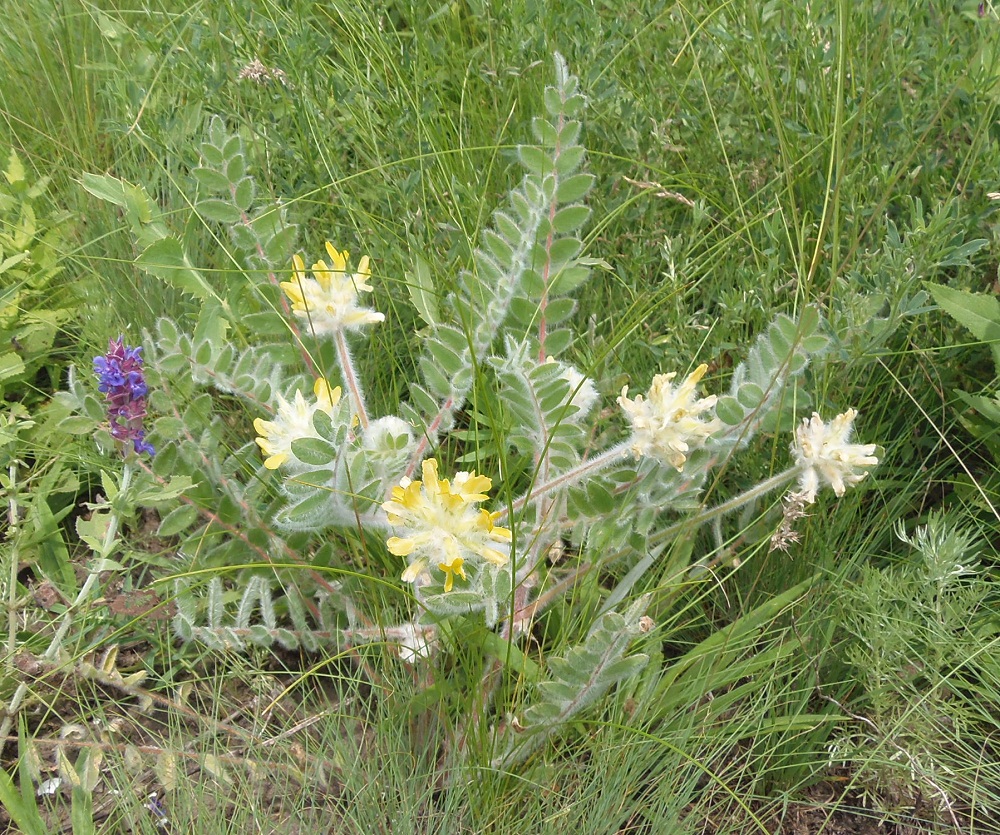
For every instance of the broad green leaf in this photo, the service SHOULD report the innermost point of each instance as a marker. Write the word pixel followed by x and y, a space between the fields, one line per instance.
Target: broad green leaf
pixel 112 30
pixel 422 401
pixel 553 101
pixel 498 246
pixel 814 344
pixel 781 341
pixel 437 382
pixel 507 227
pixel 244 193
pixel 27 226
pixel 557 341
pixel 453 338
pixel 211 153
pixel 564 250
pixel 236 168
pixel 729 411
pixel 569 133
pixel 15 168
pixel 102 565
pixel 213 326
pixel 570 160
pixel 574 188
pixel 450 362
pixel 279 247
pixel 809 320
pixel 959 257
pixel 313 451
pixel 209 178
pixel 569 279
pixel 93 530
pixel 599 497
pixel 559 310
pixel 88 766
pixel 420 285
pixel 38 188
pixel 544 131
pixel 167 259
pixel 315 507
pixel 535 160
pixel 750 395
pixel 53 555
pixel 120 193
pixel 12 261
pixel 233 148
pixel 533 284
pixel 978 312
pixel 179 519
pixel 11 365
pixel 221 211
pixel 570 219
pixel 109 486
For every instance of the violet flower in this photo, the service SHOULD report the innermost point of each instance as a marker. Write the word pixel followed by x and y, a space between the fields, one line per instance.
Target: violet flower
pixel 124 387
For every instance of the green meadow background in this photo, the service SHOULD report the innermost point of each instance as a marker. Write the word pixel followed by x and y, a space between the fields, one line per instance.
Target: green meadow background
pixel 751 158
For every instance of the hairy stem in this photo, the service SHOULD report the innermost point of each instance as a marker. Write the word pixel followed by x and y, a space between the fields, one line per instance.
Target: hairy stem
pixel 689 523
pixel 570 477
pixel 351 378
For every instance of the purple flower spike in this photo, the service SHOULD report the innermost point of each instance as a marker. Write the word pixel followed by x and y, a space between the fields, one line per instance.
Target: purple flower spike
pixel 124 386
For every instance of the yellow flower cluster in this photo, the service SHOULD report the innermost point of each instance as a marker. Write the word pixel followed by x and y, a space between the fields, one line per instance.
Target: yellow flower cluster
pixel 824 455
pixel 328 302
pixel 667 424
pixel 442 526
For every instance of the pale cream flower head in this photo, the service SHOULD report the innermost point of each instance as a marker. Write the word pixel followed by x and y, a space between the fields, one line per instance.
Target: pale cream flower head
pixel 670 423
pixel 824 455
pixel 386 436
pixel 328 302
pixel 293 421
pixel 443 529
